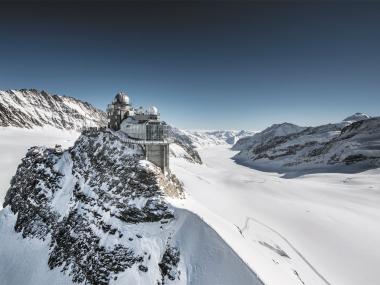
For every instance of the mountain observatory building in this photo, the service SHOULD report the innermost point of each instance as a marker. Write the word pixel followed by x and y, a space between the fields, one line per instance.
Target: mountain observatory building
pixel 142 127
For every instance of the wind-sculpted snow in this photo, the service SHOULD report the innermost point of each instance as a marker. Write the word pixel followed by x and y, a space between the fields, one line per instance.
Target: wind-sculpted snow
pixel 346 146
pixel 28 108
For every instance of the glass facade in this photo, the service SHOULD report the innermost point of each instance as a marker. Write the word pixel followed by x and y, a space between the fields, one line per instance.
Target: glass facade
pixel 151 131
pixel 156 131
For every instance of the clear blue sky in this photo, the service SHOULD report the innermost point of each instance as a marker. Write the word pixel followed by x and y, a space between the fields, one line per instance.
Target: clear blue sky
pixel 206 66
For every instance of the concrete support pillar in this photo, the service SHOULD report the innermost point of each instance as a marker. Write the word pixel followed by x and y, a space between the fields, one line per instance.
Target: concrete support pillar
pixel 158 154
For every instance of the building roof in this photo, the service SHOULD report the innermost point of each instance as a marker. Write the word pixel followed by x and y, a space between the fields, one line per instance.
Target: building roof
pixel 122 98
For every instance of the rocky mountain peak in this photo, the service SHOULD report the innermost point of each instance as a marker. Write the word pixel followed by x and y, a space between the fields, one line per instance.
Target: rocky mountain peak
pixel 88 202
pixel 28 108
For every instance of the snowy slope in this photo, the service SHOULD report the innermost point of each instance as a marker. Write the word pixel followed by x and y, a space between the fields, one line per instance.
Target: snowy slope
pixel 28 108
pixel 97 214
pixel 315 229
pixel 346 146
pixel 15 142
pixel 182 146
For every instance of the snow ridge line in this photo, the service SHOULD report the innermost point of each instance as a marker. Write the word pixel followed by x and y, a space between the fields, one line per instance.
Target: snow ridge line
pixel 245 227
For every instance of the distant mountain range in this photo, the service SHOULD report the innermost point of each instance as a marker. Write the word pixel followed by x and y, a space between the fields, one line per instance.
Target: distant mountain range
pixel 205 138
pixel 349 145
pixel 28 108
pixel 186 142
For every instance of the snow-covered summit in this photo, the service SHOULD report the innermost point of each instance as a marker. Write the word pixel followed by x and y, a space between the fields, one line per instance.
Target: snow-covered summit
pixel 356 117
pixel 97 214
pixel 28 108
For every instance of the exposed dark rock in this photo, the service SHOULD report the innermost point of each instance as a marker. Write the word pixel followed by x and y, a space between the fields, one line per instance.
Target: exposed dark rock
pixel 169 263
pixel 28 108
pixel 102 176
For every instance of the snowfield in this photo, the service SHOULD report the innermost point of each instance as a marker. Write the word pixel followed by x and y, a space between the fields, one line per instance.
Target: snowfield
pixel 314 229
pixel 14 143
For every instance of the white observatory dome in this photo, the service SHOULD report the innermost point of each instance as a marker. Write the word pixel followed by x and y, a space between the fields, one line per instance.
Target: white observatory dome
pixel 122 98
pixel 153 110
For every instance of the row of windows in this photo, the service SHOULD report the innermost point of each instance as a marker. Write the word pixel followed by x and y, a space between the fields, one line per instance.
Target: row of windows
pixel 154 132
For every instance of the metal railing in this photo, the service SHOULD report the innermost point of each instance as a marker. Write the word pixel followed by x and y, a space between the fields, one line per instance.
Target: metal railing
pixel 124 137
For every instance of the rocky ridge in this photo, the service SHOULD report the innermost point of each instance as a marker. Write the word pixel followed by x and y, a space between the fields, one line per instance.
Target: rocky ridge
pixel 350 145
pixel 89 201
pixel 28 108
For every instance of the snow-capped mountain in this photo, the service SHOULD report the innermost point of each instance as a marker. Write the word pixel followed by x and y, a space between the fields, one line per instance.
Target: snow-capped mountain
pixel 97 214
pixel 28 108
pixel 275 130
pixel 207 138
pixel 30 117
pixel 182 146
pixel 356 117
pixel 186 142
pixel 346 145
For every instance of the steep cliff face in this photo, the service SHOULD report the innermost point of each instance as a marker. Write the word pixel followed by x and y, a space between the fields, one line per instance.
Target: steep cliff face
pixel 342 146
pixel 28 108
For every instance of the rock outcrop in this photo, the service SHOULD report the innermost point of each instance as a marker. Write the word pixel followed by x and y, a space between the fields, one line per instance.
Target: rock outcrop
pixel 79 198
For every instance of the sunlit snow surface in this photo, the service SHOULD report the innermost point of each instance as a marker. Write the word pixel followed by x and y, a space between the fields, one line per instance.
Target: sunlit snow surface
pixel 316 229
pixel 14 143
pixel 205 257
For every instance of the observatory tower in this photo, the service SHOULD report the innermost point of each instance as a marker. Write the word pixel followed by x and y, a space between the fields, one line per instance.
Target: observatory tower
pixel 143 127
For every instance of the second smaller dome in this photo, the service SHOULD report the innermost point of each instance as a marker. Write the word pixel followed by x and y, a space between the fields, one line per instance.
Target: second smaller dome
pixel 153 110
